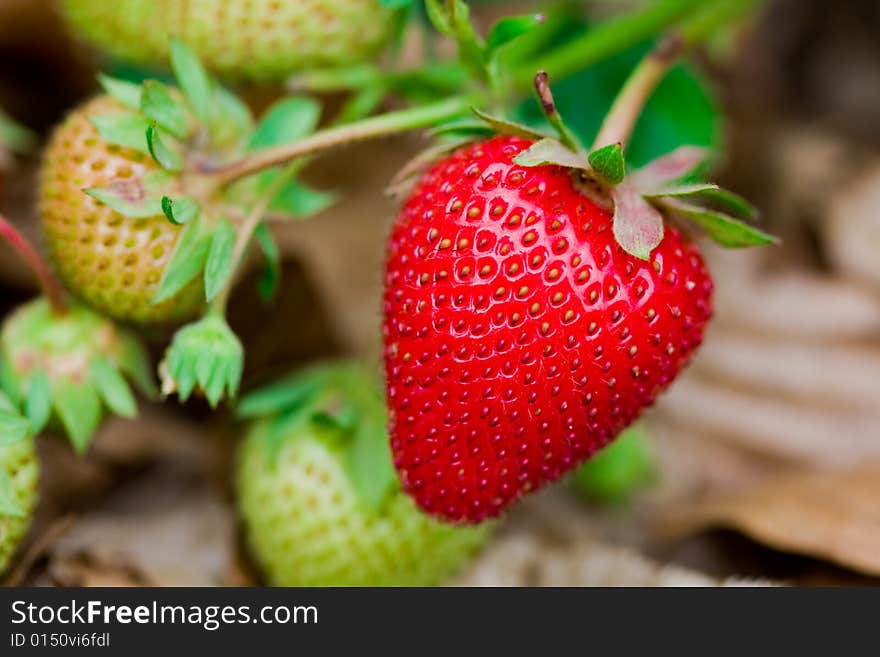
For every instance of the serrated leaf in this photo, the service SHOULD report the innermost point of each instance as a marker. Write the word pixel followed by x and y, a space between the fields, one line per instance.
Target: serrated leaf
pixel 13 427
pixel 298 200
pixel 129 197
pixel 608 163
pixel 551 152
pixel 506 127
pixel 78 406
pixel 219 265
pixel 670 168
pixel 187 261
pixel 287 121
pixel 123 129
pixel 181 210
pixel 9 505
pixel 723 229
pixel 509 29
pixel 38 401
pixel 161 107
pixel 127 93
pixel 194 81
pixel 638 225
pixel 113 388
pixel 165 157
pixel 272 273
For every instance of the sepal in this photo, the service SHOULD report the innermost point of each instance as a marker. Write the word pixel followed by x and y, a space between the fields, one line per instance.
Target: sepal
pixel 204 357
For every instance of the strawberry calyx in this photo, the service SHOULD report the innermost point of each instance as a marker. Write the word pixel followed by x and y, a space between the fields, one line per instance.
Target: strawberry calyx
pixel 70 368
pixel 191 131
pixel 204 357
pixel 343 403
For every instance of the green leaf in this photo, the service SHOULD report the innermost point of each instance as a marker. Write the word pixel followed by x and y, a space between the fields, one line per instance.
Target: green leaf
pixel 127 93
pixel 187 261
pixel 79 408
pixel 130 197
pixel 13 427
pixel 716 197
pixel 38 402
pixel 165 157
pixel 509 29
pixel 193 79
pixel 396 4
pixel 158 104
pixel 287 121
pixel 298 200
pixel 123 129
pixel 232 120
pixel 723 229
pixel 9 505
pixel 219 265
pixel 181 210
pixel 113 388
pixel 608 163
pixel 551 152
pixel 134 361
pixel 293 393
pixel 272 273
pixel 637 225
pixel 506 127
pixel 369 461
pixel 8 384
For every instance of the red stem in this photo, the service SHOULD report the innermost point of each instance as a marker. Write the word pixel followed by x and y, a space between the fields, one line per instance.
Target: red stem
pixel 51 287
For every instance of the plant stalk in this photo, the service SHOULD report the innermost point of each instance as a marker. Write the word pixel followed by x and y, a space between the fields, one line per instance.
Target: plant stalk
pixel 47 280
pixel 377 126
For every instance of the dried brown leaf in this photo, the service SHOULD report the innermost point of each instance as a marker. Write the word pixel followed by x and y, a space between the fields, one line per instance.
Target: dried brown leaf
pixel 829 516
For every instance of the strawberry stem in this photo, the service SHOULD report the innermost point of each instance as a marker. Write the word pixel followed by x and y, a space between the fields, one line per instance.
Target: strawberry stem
pixel 618 124
pixel 49 283
pixel 374 127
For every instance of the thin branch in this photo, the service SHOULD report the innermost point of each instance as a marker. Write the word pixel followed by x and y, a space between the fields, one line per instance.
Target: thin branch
pixel 46 278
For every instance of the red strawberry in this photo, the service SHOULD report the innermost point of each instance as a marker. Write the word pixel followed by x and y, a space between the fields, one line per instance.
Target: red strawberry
pixel 519 336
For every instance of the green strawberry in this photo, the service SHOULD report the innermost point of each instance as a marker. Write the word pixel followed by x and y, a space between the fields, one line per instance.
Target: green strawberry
pixel 256 39
pixel 112 262
pixel 19 474
pixel 318 496
pixel 618 470
pixel 69 367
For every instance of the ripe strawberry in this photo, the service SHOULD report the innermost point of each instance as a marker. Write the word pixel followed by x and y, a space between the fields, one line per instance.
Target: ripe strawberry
pixel 318 496
pixel 519 336
pixel 19 474
pixel 112 262
pixel 256 39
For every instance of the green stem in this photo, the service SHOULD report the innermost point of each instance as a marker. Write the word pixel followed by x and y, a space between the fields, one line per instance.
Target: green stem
pixel 50 284
pixel 608 38
pixel 378 126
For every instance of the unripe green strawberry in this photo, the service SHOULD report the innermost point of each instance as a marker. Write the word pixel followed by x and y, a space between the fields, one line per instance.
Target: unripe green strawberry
pixel 304 482
pixel 257 39
pixel 19 474
pixel 112 262
pixel 67 368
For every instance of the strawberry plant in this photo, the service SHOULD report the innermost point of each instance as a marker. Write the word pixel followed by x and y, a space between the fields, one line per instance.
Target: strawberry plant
pixel 19 471
pixel 543 282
